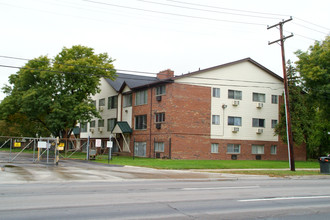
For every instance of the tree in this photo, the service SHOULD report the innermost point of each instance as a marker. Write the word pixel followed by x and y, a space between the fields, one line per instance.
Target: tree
pixel 301 112
pixel 314 68
pixel 55 94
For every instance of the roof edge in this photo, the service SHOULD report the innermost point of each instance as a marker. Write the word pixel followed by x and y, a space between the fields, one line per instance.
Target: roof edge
pixel 248 59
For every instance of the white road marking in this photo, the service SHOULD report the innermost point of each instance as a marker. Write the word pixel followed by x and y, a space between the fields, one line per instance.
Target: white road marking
pixel 220 188
pixel 283 198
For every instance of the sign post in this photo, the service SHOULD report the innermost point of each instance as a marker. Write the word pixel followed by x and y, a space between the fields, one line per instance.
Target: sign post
pixel 109 145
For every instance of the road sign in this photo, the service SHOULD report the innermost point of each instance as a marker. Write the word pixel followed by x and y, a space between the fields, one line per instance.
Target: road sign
pixel 61 146
pixel 98 143
pixel 17 144
pixel 109 144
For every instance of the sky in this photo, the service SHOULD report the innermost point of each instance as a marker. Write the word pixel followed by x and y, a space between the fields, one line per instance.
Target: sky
pixel 154 35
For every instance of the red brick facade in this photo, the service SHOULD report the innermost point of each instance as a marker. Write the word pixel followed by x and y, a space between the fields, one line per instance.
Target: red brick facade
pixel 186 130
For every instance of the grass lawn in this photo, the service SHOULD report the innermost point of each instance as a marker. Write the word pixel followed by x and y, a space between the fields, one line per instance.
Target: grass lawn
pixel 187 164
pixel 204 164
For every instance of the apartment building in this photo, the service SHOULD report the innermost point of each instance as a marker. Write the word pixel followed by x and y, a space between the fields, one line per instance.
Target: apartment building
pixel 226 112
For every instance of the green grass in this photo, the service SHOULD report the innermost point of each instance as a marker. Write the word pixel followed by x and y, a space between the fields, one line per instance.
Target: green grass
pixel 204 164
pixel 187 164
pixel 275 173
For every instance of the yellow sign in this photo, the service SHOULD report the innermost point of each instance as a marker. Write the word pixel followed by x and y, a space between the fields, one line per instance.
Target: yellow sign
pixel 61 146
pixel 17 144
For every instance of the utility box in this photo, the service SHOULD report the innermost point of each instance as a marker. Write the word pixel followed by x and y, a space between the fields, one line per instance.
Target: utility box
pixel 324 165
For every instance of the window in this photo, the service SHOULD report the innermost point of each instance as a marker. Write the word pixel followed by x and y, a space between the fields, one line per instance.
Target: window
pixel 274 123
pixel 259 97
pixel 233 148
pixel 160 90
pixel 100 123
pixel 216 92
pixel 83 127
pixel 141 97
pixel 258 122
pixel 127 100
pixel 215 119
pixel 101 102
pixel 92 124
pixel 273 149
pixel 160 117
pixel 257 149
pixel 234 94
pixel 141 122
pixel 112 102
pixel 159 146
pixel 215 148
pixel 140 149
pixel 237 121
pixel 274 99
pixel 111 123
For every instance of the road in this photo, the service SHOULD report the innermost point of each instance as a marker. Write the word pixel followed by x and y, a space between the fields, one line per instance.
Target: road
pixel 80 190
pixel 168 199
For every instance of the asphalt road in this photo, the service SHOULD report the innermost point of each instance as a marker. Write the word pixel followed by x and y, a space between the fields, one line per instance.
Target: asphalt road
pixel 168 199
pixel 78 190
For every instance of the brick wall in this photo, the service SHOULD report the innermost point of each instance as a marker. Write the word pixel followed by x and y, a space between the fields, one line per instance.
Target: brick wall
pixel 186 130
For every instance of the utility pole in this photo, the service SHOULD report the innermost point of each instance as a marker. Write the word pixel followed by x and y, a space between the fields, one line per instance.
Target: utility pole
pixel 286 91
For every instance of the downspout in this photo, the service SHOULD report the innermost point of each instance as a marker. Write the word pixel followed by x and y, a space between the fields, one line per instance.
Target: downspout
pixel 150 121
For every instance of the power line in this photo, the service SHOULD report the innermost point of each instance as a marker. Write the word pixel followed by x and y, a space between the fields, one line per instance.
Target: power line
pixel 206 10
pixel 174 14
pixel 151 80
pixel 141 72
pixel 309 28
pixel 230 9
pixel 247 11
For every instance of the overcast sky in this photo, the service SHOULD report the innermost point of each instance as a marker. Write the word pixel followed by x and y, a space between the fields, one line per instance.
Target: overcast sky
pixel 154 35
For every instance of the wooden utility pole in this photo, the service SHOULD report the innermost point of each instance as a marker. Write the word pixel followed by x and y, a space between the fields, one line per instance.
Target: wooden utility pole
pixel 286 92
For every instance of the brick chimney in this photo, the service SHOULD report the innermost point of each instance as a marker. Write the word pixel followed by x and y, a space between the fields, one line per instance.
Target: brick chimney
pixel 165 74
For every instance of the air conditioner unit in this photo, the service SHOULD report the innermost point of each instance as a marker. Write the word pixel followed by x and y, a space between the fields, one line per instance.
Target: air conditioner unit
pixel 260 131
pixel 158 126
pixel 235 129
pixel 91 130
pixel 235 103
pixel 159 98
pixel 100 130
pixel 260 105
pixel 101 108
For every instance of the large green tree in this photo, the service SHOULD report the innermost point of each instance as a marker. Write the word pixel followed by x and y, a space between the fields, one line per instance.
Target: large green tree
pixel 314 69
pixel 300 109
pixel 55 93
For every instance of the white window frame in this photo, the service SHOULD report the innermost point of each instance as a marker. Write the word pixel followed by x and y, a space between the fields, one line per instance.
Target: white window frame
pixel 233 148
pixel 138 122
pixel 234 94
pixel 111 123
pixel 160 117
pixel 160 90
pixel 273 149
pixel 237 121
pixel 159 146
pixel 215 119
pixel 274 99
pixel 141 97
pixel 127 100
pixel 113 102
pixel 214 148
pixel 258 149
pixel 100 123
pixel 258 97
pixel 274 123
pixel 216 92
pixel 257 121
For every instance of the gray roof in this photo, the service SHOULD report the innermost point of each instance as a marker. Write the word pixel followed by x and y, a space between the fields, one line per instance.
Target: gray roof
pixel 132 81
